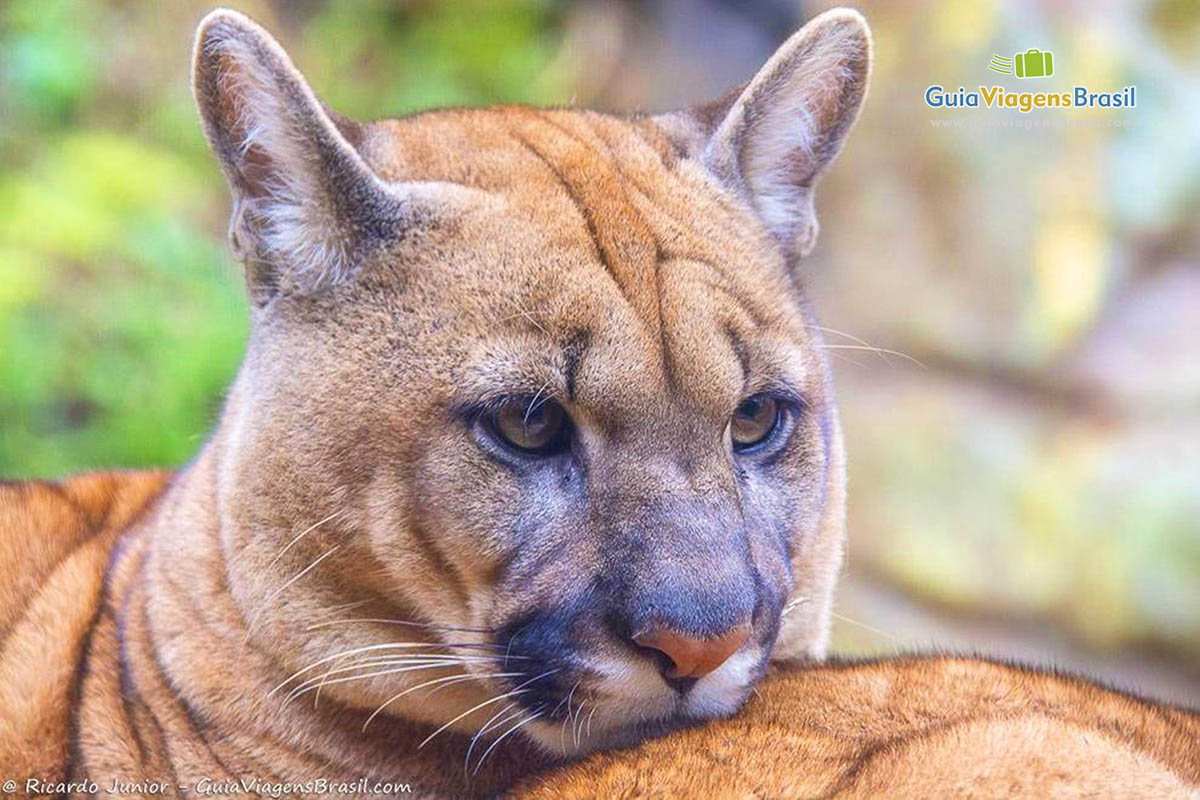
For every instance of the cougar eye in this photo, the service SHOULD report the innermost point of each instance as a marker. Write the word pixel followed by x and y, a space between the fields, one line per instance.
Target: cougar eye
pixel 754 421
pixel 530 426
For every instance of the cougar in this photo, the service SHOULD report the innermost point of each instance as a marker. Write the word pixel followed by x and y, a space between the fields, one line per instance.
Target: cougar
pixel 533 452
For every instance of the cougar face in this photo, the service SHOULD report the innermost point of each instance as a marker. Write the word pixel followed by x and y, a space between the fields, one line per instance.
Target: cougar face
pixel 533 393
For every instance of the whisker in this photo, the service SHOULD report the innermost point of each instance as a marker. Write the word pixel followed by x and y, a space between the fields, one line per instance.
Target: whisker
pixel 440 683
pixel 398 667
pixel 562 735
pixel 595 708
pixel 417 662
pixel 302 534
pixel 506 734
pixel 880 350
pixel 355 651
pixel 852 338
pixel 405 623
pixel 344 607
pixel 271 597
pixel 486 726
pixel 361 663
pixel 522 311
pixel 865 626
pixel 577 725
pixel 533 404
pixel 849 360
pixel 528 316
pixel 473 709
pixel 793 605
pixel 554 710
pixel 334 611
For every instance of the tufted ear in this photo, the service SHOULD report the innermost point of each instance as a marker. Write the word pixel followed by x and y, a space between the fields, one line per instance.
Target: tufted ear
pixel 772 138
pixel 306 206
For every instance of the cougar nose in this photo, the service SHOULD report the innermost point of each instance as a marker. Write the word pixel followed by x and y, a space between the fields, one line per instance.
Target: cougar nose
pixel 692 657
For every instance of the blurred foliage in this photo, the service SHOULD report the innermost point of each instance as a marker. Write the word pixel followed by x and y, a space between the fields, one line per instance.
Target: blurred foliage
pixel 122 319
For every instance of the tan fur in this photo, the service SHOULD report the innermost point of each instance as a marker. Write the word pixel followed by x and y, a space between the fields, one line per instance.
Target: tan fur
pixel 897 728
pixel 55 544
pixel 904 728
pixel 351 532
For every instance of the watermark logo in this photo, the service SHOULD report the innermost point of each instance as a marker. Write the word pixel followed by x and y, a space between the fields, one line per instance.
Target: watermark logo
pixel 1033 63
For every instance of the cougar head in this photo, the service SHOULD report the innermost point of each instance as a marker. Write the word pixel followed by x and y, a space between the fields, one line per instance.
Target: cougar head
pixel 535 394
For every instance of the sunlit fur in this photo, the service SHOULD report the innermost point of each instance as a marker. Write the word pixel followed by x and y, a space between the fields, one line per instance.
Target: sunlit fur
pixel 77 689
pixel 408 271
pixel 353 578
pixel 351 574
pixel 905 728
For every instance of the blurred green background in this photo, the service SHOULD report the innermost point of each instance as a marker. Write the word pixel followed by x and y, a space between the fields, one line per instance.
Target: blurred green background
pixel 1024 480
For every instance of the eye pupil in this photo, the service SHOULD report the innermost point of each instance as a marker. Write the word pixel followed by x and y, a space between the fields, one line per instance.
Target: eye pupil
pixel 754 421
pixel 539 428
pixel 750 407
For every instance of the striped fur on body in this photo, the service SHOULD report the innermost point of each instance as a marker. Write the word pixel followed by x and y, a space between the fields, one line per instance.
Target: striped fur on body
pixel 97 688
pixel 909 727
pixel 85 696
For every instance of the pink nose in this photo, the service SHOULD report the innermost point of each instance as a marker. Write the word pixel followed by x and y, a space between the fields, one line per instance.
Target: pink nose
pixel 691 657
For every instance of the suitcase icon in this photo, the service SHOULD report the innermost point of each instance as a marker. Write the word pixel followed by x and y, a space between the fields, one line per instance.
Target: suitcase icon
pixel 1033 63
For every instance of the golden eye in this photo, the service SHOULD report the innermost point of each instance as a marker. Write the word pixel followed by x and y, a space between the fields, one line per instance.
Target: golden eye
pixel 755 420
pixel 539 427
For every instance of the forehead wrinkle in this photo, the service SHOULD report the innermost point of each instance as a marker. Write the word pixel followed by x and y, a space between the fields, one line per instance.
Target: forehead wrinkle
pixel 675 193
pixel 573 352
pixel 678 240
pixel 591 176
pixel 675 239
pixel 740 351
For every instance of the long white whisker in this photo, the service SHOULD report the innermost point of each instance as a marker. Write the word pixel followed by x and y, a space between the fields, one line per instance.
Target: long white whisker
pixel 528 316
pixel 302 534
pixel 403 666
pixel 473 709
pixel 486 726
pixel 518 315
pixel 441 683
pixel 374 661
pixel 406 623
pixel 533 404
pixel 271 597
pixel 793 605
pixel 595 707
pixel 881 350
pixel 853 361
pixel 577 725
pixel 853 338
pixel 417 662
pixel 355 651
pixel 344 607
pixel 562 734
pixel 505 735
pixel 864 626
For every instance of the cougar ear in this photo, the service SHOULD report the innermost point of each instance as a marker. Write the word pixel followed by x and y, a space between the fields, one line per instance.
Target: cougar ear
pixel 306 207
pixel 773 138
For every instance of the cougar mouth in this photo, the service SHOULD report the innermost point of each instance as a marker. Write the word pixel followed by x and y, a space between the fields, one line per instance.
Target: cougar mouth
pixel 601 701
